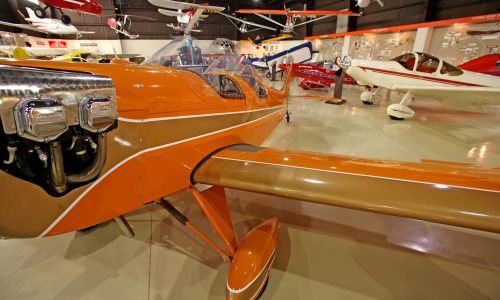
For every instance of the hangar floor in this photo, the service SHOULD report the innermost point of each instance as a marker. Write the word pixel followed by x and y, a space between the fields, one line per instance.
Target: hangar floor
pixel 323 252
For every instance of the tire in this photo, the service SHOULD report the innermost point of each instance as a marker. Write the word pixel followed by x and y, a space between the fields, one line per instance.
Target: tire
pixel 66 19
pixel 268 75
pixel 39 12
pixel 396 118
pixel 367 102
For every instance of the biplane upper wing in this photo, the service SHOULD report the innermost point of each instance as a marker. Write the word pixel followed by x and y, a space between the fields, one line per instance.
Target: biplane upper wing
pixel 455 194
pixel 185 6
pixel 312 13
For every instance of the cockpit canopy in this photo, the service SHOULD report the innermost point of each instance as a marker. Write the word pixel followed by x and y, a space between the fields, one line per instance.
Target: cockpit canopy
pixel 426 63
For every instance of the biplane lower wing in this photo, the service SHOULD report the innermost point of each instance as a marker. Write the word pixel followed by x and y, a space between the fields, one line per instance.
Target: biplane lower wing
pixel 453 194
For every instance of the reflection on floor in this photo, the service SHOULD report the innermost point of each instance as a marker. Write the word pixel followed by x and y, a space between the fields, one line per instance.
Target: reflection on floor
pixel 323 252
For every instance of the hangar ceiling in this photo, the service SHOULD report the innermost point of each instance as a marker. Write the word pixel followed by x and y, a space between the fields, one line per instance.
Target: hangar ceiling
pixel 395 12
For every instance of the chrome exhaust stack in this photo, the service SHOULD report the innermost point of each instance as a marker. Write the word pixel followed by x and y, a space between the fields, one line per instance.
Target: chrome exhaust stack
pixel 54 125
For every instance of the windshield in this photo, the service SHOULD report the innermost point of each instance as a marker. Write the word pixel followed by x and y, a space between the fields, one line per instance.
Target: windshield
pixel 234 64
pixel 182 52
pixel 427 63
pixel 406 60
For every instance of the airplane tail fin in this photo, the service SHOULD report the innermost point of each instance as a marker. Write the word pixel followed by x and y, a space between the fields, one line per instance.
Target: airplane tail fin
pixel 31 13
pixel 20 53
pixel 486 64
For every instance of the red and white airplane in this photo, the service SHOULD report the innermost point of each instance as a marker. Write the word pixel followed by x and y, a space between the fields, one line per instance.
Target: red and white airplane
pixel 294 16
pixel 316 75
pixel 47 25
pixel 420 74
pixel 188 14
pixel 82 6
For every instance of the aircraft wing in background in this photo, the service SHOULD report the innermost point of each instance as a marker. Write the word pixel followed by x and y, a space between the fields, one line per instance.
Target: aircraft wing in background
pixel 463 97
pixel 23 26
pixel 185 6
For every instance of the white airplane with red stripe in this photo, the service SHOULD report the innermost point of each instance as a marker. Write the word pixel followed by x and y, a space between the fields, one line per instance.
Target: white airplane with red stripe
pixel 47 25
pixel 421 74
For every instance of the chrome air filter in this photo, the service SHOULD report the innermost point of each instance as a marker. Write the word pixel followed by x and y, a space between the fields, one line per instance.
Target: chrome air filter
pixel 40 120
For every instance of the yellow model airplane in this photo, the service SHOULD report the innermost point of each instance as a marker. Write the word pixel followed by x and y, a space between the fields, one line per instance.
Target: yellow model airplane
pixel 81 56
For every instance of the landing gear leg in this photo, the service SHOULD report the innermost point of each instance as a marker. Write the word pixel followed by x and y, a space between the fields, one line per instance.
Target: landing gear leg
pixel 124 226
pixel 401 110
pixel 257 249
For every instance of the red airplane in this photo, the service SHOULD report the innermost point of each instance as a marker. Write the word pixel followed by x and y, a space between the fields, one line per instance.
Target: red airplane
pixel 317 76
pixel 82 6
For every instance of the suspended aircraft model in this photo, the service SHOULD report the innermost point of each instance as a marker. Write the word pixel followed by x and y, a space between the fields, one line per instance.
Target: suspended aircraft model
pixel 121 24
pixel 82 6
pixel 420 74
pixel 366 3
pixel 243 24
pixel 118 137
pixel 294 16
pixel 188 14
pixel 47 25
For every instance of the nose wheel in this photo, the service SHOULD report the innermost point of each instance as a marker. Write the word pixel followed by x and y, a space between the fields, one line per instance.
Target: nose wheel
pixel 65 19
pixel 368 98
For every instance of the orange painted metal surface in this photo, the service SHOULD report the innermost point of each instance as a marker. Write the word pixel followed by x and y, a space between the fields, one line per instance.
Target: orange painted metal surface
pixel 455 194
pixel 154 160
pixel 214 204
pixel 252 262
pixel 442 23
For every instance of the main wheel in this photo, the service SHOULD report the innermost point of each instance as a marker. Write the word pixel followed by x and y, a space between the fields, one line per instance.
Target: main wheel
pixel 66 19
pixel 39 12
pixel 396 118
pixel 268 75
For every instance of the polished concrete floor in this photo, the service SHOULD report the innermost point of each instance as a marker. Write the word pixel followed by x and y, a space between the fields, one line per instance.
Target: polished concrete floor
pixel 323 252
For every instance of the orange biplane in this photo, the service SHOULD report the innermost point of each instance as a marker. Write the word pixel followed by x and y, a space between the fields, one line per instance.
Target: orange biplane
pixel 81 144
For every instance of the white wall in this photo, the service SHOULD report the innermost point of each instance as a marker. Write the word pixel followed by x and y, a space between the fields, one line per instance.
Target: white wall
pixel 142 47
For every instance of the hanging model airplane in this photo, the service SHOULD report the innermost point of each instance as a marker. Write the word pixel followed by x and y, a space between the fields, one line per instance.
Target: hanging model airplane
pixel 294 16
pixel 188 14
pixel 421 74
pixel 82 6
pixel 366 3
pixel 242 25
pixel 118 137
pixel 47 25
pixel 121 24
